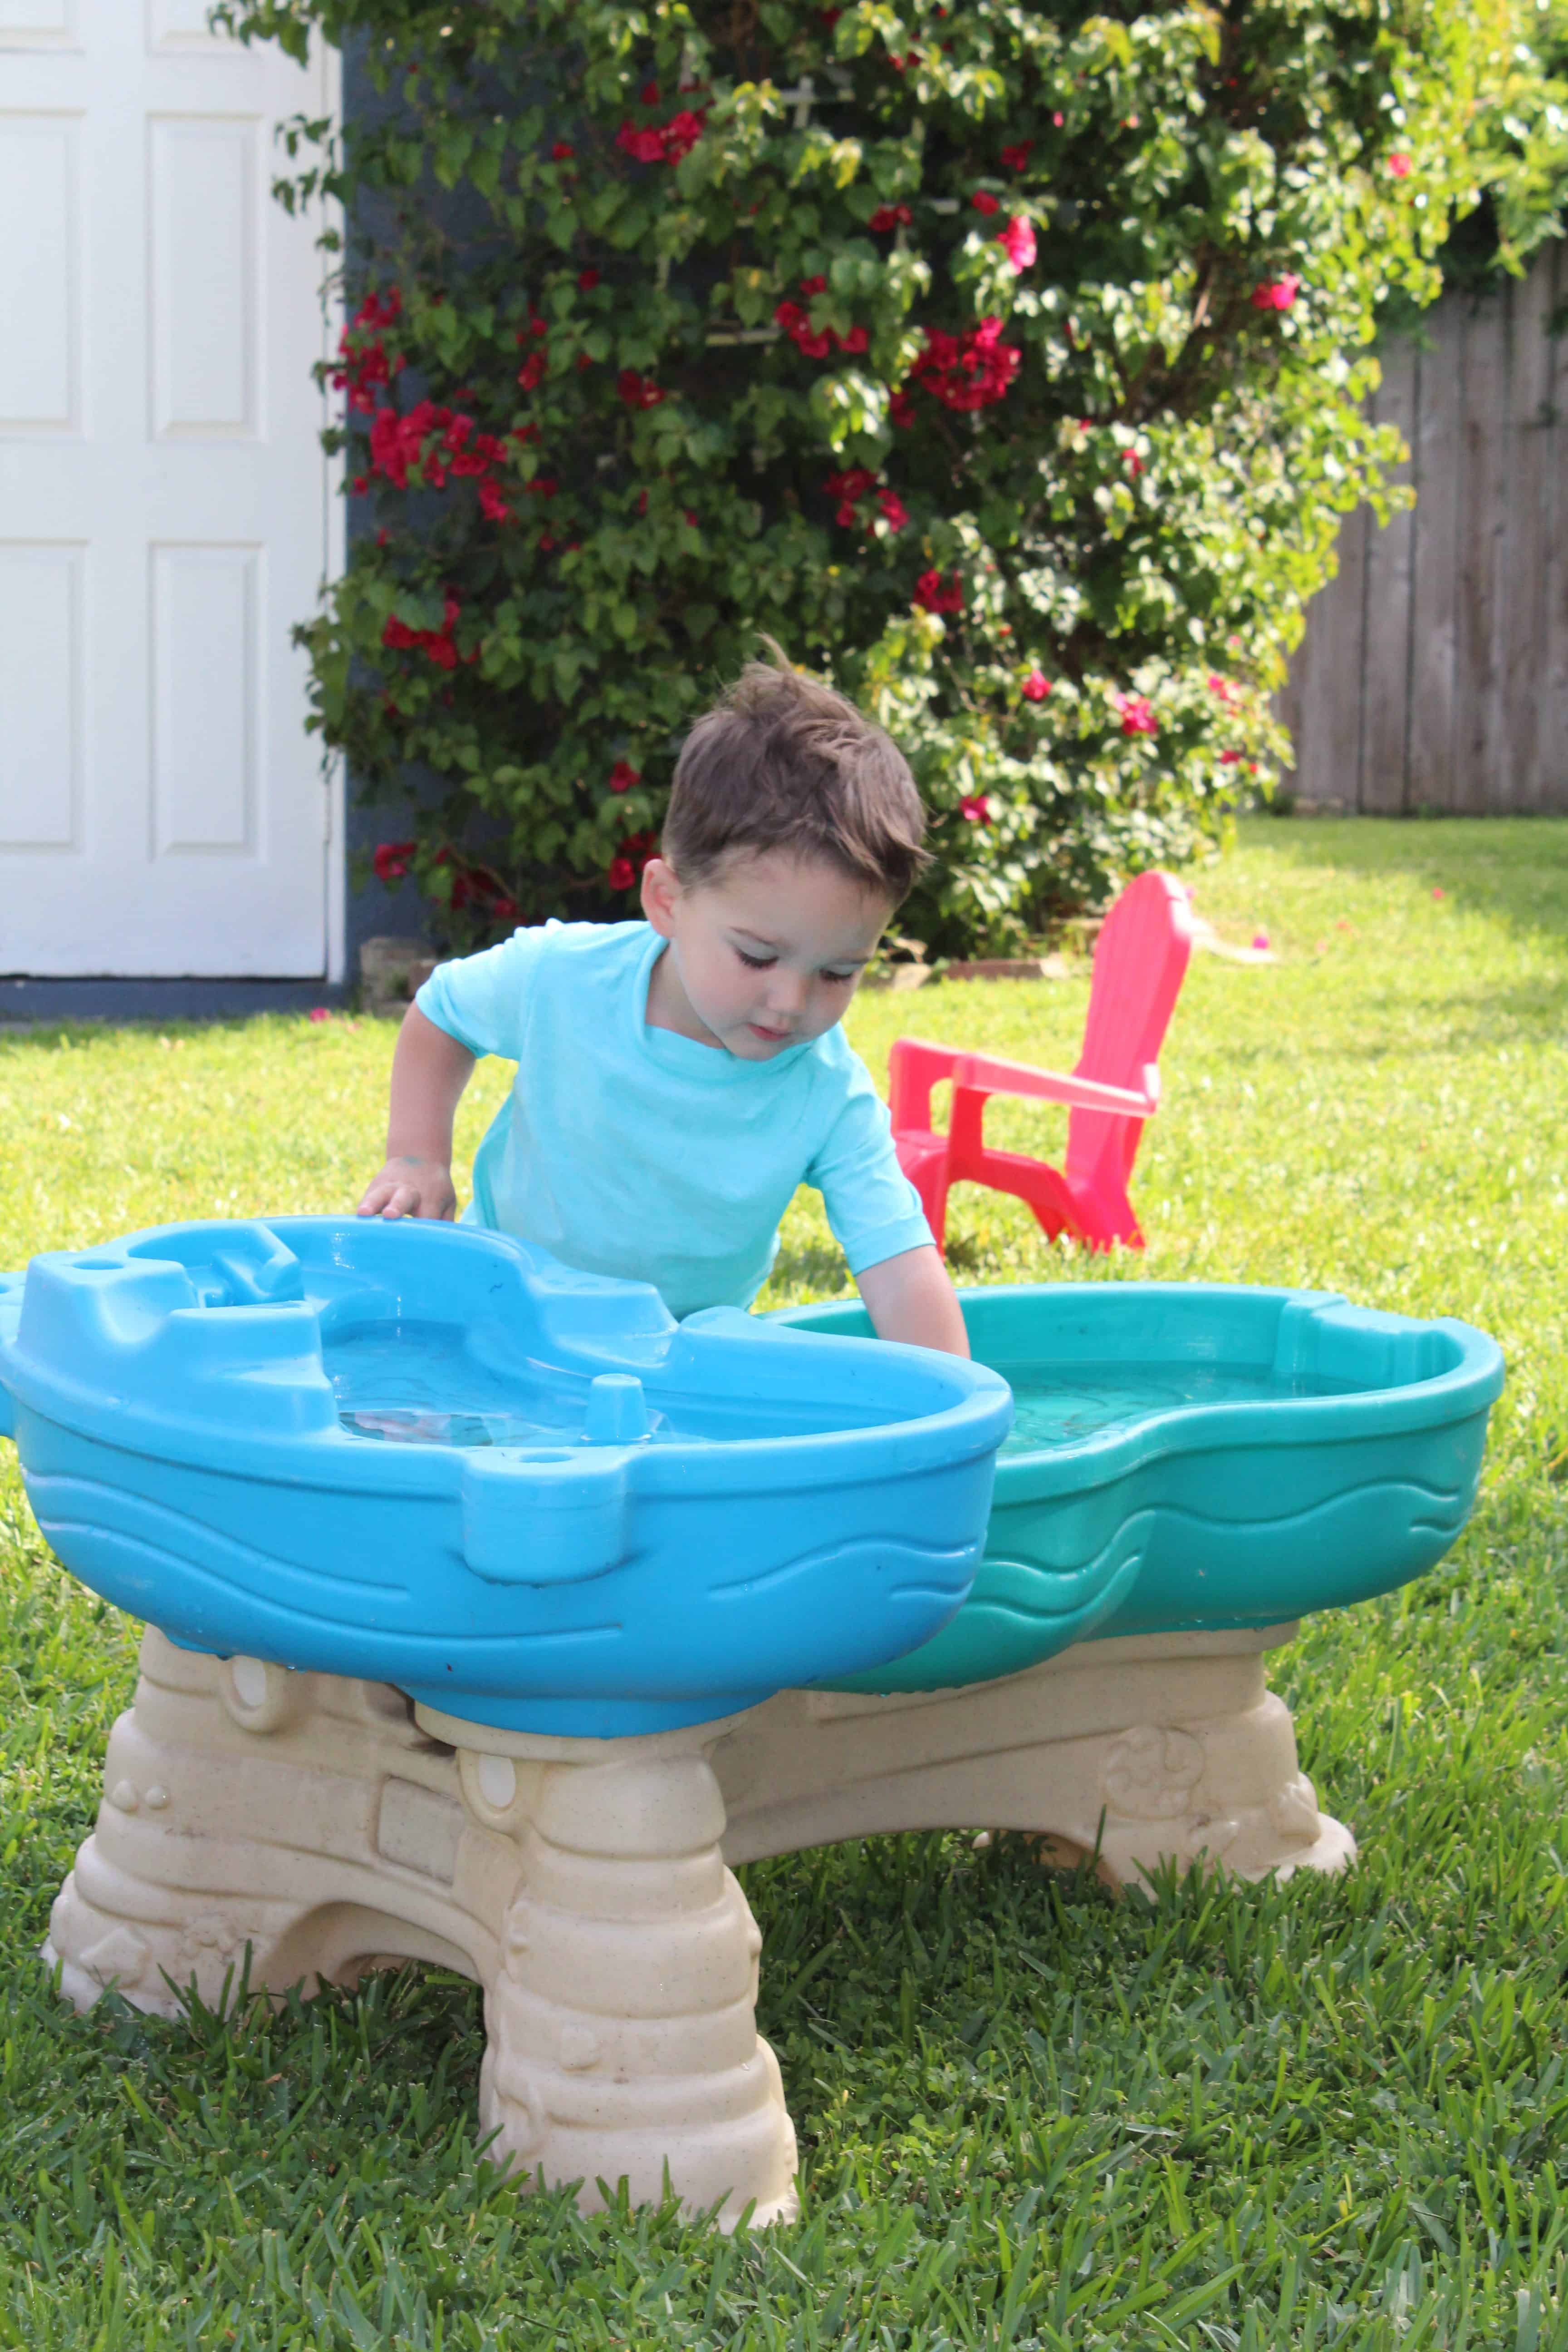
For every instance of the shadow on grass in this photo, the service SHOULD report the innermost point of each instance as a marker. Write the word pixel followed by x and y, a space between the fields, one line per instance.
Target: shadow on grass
pixel 1514 869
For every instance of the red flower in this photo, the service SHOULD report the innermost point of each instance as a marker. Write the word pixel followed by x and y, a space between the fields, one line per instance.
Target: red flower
pixel 649 93
pixel 887 216
pixel 623 776
pixel 1018 242
pixel 492 506
pixel 1137 716
pixel 1223 687
pixel 814 284
pixel 318 1012
pixel 1133 462
pixel 975 808
pixel 543 486
pixel 984 202
pixel 642 502
pixel 681 134
pixel 1276 293
pixel 900 410
pixel 622 874
pixel 1017 158
pixel 585 362
pixel 531 373
pixel 398 638
pixel 360 485
pixel 642 146
pixel 677 137
pixel 638 391
pixel 1400 166
pixel 934 598
pixel 586 280
pixel 504 909
pixel 390 859
pixel 1034 688
pixel 1228 759
pixel 562 151
pixel 895 514
pixel 847 487
pixel 969 371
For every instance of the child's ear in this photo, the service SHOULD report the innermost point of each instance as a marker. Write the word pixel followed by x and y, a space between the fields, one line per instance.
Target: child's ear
pixel 661 891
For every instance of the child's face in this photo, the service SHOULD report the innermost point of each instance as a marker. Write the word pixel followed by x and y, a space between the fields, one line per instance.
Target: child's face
pixel 769 952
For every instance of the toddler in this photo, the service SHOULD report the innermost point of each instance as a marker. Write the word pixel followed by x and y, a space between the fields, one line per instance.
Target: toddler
pixel 679 1078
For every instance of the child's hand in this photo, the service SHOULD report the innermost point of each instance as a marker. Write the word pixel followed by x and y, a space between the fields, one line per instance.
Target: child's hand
pixel 409 1187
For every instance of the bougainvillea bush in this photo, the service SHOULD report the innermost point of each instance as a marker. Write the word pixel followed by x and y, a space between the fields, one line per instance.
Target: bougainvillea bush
pixel 1001 361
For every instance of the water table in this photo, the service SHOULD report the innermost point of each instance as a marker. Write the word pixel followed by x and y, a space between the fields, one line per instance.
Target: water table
pixel 492 1616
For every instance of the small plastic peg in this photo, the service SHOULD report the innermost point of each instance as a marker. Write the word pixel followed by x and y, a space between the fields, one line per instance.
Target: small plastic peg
pixel 617 1410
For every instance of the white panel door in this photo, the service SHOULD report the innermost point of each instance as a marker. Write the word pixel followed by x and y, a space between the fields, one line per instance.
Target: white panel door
pixel 164 509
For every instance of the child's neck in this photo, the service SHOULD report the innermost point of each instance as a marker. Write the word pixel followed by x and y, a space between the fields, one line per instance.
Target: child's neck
pixel 669 1007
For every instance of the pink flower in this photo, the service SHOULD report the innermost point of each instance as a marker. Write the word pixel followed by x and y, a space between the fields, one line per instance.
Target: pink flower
pixel 1017 158
pixel 975 809
pixel 1223 688
pixel 1018 242
pixel 622 874
pixel 1260 941
pixel 1437 891
pixel 935 597
pixel 1228 759
pixel 1400 166
pixel 1137 716
pixel 984 202
pixel 1034 688
pixel 1276 293
pixel 1133 463
pixel 969 371
pixel 623 776
pixel 318 1012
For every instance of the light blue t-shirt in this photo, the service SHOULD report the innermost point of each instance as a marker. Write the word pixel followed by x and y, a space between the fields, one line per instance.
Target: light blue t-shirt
pixel 628 1150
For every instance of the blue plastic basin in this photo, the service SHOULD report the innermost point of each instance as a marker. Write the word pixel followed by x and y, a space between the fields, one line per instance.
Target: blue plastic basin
pixel 431 1455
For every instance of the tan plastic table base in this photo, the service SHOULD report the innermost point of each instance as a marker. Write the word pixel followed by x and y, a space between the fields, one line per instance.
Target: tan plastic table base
pixel 312 1822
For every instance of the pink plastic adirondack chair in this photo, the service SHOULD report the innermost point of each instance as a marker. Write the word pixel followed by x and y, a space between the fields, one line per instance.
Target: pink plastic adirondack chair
pixel 1139 966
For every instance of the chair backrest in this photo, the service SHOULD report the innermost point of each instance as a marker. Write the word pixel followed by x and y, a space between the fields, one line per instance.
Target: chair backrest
pixel 1140 962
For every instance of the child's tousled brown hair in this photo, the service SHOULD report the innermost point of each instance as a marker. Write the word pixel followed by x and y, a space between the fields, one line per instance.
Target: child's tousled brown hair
pixel 782 761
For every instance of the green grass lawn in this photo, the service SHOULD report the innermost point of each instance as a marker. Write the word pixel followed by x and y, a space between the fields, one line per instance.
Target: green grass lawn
pixel 1213 2115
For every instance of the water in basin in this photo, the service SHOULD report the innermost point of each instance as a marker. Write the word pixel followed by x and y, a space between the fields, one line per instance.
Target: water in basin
pixel 417 1383
pixel 1059 1404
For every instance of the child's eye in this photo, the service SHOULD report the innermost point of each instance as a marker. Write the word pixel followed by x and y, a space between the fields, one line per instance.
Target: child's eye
pixel 755 963
pixel 839 979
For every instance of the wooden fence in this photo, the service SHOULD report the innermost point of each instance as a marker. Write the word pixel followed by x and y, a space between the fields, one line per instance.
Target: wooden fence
pixel 1433 671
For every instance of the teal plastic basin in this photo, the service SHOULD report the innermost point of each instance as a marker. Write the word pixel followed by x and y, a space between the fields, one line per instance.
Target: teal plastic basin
pixel 1196 1455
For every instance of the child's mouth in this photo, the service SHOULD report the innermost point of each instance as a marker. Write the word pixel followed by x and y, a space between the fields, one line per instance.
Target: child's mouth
pixel 768 1037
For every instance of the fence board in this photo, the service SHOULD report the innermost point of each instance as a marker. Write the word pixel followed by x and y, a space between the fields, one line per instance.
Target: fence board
pixel 1433 669
pixel 1390 557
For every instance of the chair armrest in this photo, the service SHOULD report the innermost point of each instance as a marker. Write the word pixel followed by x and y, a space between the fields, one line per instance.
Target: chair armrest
pixel 983 1073
pixel 913 1069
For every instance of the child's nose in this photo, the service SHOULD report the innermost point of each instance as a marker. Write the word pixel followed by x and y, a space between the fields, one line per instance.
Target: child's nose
pixel 787 993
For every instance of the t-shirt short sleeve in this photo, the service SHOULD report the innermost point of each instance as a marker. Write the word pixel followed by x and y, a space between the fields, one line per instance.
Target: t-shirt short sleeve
pixel 872 1207
pixel 482 1000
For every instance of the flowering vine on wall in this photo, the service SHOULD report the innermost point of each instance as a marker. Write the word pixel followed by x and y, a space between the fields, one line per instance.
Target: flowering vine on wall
pixel 1005 365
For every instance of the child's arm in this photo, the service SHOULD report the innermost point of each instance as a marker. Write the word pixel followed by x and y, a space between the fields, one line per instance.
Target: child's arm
pixel 429 1071
pixel 910 1298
